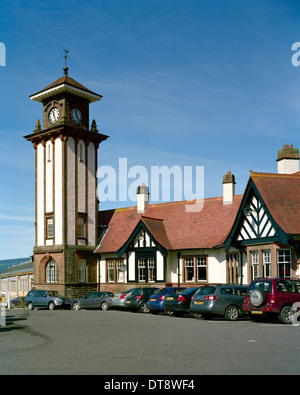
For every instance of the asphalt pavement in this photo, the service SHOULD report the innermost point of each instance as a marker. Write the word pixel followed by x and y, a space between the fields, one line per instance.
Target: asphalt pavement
pixel 125 343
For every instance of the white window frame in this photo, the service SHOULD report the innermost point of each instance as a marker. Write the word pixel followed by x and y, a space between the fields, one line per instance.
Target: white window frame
pixel 51 272
pixel 285 261
pixel 266 256
pixel 254 264
pixel 141 270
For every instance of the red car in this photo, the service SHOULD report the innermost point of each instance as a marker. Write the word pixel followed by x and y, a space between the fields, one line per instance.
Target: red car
pixel 272 297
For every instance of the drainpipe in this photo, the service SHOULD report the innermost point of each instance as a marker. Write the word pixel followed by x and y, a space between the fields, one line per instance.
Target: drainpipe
pixel 178 267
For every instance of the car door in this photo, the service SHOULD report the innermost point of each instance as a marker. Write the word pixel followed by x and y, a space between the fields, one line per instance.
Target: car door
pixel 40 299
pixel 88 301
pixel 98 299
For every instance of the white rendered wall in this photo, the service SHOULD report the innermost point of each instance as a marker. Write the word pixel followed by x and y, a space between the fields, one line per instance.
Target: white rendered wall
pixel 40 195
pixel 91 198
pixel 81 176
pixel 58 202
pixel 70 191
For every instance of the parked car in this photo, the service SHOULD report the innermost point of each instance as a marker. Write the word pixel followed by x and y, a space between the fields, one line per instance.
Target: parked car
pixel 155 303
pixel 18 301
pixel 179 303
pixel 139 298
pixel 45 298
pixel 94 300
pixel 221 300
pixel 272 297
pixel 120 298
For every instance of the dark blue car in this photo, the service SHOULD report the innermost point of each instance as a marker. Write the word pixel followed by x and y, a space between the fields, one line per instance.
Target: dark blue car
pixel 155 302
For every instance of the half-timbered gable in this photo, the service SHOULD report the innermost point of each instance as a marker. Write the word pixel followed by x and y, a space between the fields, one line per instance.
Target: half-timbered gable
pixel 267 225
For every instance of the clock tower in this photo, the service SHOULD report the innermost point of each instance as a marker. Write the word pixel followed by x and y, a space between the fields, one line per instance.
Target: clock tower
pixel 66 205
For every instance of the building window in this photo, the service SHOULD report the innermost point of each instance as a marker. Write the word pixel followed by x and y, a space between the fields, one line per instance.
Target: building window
pixel 81 227
pixel 201 269
pixel 115 270
pixel 151 270
pixel 111 271
pixel 13 285
pixel 195 268
pixel 142 270
pixel 254 265
pixel 120 270
pixel 81 270
pixel 51 272
pixel 284 263
pixel 266 254
pixel 23 284
pixel 189 269
pixel 49 225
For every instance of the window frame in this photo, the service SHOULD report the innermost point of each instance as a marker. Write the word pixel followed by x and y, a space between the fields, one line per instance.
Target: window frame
pixel 51 272
pixel 192 266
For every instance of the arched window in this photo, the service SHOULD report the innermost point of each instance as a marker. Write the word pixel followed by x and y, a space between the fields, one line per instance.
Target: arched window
pixel 51 272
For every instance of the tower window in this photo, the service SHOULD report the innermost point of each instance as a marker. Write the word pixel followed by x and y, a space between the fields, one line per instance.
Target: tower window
pixel 49 224
pixel 51 271
pixel 81 227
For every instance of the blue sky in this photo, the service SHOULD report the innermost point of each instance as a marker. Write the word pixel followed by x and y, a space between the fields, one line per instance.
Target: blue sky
pixel 184 82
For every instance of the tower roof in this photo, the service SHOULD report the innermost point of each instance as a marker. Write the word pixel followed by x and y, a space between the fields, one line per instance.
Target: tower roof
pixel 65 84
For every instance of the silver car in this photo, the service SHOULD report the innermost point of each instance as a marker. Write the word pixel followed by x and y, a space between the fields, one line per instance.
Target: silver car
pixel 223 300
pixel 93 300
pixel 119 299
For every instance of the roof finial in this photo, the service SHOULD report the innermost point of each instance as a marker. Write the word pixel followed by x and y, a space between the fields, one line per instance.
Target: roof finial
pixel 66 56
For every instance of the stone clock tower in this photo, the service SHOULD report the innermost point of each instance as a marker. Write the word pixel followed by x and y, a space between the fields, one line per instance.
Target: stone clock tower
pixel 66 203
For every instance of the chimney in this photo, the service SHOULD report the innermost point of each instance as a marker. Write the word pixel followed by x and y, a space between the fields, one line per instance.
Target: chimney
pixel 142 198
pixel 228 188
pixel 288 160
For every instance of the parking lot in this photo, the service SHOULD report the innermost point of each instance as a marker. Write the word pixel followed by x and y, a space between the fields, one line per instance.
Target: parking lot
pixel 124 343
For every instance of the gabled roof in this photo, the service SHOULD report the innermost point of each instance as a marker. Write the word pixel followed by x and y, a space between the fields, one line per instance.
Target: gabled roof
pixel 63 84
pixel 172 225
pixel 281 194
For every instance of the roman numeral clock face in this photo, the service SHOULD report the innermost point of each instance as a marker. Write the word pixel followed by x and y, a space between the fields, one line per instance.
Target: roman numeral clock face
pixel 53 115
pixel 76 116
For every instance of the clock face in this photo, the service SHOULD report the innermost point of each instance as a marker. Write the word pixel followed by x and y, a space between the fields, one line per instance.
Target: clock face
pixel 53 115
pixel 76 116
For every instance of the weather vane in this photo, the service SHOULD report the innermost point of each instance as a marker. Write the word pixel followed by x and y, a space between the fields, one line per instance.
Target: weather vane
pixel 66 57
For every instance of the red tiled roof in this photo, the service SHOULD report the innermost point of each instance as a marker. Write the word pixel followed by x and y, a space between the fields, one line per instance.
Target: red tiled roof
pixel 281 194
pixel 171 224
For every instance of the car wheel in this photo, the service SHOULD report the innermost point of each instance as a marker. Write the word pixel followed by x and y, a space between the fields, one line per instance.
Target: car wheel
pixel 143 308
pixel 232 313
pixel 286 315
pixel 76 306
pixel 30 306
pixel 51 306
pixel 104 306
pixel 258 297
